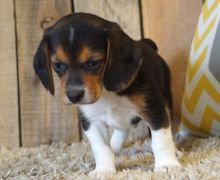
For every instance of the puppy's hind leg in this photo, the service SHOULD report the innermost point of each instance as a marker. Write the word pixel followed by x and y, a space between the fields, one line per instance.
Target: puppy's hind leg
pixel 117 140
pixel 164 149
pixel 163 146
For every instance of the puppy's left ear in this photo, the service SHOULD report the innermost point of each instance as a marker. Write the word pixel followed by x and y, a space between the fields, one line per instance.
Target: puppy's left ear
pixel 42 65
pixel 123 60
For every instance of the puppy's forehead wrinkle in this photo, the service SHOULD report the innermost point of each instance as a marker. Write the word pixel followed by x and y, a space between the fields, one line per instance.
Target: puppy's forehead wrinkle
pixel 71 34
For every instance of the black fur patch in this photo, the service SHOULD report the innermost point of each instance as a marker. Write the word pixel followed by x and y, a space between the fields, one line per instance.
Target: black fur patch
pixel 135 121
pixel 150 43
pixel 42 66
pixel 84 121
pixel 153 81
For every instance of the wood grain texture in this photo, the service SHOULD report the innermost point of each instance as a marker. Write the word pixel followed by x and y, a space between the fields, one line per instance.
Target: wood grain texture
pixel 171 25
pixel 44 118
pixel 124 12
pixel 9 131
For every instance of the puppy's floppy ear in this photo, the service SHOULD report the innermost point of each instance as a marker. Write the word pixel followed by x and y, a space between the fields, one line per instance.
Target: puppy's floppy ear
pixel 123 60
pixel 42 65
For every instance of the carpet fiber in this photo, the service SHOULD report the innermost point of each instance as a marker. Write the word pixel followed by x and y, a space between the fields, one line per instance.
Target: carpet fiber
pixel 200 160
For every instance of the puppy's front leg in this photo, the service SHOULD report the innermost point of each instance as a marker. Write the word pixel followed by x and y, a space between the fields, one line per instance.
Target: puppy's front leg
pixel 99 141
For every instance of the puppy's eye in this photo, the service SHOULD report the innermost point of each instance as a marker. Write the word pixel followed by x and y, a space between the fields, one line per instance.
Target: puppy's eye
pixel 59 67
pixel 92 64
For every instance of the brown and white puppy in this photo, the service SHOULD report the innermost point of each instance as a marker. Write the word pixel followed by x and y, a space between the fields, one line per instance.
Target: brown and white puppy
pixel 115 81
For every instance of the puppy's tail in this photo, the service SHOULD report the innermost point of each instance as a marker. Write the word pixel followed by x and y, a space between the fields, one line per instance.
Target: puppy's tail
pixel 150 43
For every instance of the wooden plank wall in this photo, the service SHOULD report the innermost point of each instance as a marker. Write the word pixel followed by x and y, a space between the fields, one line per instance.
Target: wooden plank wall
pixel 44 118
pixel 9 134
pixel 114 10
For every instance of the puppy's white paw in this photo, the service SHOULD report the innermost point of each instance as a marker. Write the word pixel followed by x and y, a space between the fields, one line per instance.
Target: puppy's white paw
pixel 167 167
pixel 116 148
pixel 101 173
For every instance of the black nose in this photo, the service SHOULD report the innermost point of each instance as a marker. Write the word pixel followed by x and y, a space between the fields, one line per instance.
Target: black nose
pixel 75 95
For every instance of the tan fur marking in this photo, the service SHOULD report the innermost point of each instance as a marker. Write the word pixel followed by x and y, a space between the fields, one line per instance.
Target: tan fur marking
pixel 93 84
pixel 97 56
pixel 85 54
pixel 61 55
pixel 138 100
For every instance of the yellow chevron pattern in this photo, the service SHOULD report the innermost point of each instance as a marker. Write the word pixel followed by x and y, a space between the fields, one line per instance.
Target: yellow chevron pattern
pixel 199 40
pixel 192 69
pixel 201 99
pixel 206 12
pixel 204 85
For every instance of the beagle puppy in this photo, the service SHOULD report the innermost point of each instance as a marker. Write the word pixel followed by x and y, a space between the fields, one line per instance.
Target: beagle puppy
pixel 115 81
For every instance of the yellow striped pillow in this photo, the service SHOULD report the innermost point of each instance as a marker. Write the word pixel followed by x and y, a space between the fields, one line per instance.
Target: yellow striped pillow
pixel 201 100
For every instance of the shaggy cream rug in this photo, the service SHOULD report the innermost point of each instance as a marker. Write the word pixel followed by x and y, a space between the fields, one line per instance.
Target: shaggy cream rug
pixel 200 160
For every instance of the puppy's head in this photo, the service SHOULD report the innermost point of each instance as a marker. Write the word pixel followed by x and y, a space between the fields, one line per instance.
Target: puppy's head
pixel 87 52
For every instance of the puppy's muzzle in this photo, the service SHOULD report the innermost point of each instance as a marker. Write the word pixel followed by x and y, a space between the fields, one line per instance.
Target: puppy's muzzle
pixel 75 94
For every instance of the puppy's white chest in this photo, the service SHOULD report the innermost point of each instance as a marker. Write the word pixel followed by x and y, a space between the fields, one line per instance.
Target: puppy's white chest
pixel 115 111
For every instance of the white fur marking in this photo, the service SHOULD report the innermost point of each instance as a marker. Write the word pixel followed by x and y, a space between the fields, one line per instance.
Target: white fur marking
pixel 71 35
pixel 112 111
pixel 117 140
pixel 164 149
pixel 104 157
pixel 115 111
